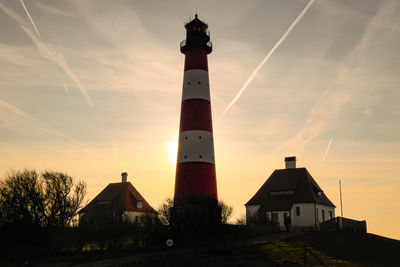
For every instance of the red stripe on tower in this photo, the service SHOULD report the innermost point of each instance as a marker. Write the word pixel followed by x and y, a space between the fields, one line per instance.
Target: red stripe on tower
pixel 195 169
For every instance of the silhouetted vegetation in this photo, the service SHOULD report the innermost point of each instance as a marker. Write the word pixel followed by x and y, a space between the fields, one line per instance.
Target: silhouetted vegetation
pixel 37 211
pixel 164 211
pixel 226 211
pixel 241 220
pixel 49 200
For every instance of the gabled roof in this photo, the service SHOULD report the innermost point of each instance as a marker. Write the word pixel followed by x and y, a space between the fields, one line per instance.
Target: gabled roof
pixel 123 196
pixel 286 187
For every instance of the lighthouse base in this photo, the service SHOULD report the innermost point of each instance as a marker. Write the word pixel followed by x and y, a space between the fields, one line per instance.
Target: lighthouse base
pixel 199 215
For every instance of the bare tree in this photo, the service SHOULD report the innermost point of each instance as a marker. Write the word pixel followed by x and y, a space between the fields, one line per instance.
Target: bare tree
pixel 226 211
pixel 241 220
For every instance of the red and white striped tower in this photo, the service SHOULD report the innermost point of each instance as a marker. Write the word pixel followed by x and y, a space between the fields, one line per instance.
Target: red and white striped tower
pixel 195 169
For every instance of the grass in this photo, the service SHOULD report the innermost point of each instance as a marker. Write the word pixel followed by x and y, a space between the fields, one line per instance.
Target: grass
pixel 290 252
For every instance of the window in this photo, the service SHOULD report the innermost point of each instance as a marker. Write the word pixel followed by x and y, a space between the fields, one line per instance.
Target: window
pixel 139 204
pixel 330 215
pixel 323 215
pixel 297 211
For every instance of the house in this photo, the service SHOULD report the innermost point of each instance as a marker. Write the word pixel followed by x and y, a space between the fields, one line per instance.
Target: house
pixel 118 199
pixel 290 192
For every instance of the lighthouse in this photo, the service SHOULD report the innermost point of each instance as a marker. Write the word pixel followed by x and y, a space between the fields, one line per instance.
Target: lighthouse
pixel 195 181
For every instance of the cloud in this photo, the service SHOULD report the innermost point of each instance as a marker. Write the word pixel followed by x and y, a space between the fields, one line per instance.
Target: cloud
pixel 15 118
pixel 49 52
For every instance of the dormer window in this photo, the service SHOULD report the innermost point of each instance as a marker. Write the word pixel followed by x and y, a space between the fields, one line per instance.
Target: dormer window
pixel 104 202
pixel 281 193
pixel 139 204
pixel 320 193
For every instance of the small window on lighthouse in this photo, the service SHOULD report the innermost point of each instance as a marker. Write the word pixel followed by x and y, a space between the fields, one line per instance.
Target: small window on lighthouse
pixel 198 82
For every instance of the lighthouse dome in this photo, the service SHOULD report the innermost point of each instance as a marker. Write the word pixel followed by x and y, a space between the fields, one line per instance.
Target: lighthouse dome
pixel 196 25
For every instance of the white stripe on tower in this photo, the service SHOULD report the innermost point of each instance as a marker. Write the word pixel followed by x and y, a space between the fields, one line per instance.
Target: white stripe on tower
pixel 196 85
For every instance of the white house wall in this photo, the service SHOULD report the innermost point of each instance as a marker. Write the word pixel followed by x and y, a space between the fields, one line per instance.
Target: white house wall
pixel 326 209
pixel 306 217
pixel 310 214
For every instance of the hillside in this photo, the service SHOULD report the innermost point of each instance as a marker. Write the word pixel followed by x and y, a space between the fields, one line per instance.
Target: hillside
pixel 336 248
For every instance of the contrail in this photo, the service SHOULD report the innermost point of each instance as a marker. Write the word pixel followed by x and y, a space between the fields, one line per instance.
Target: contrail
pixel 29 16
pixel 38 33
pixel 48 51
pixel 66 88
pixel 323 158
pixel 36 124
pixel 250 79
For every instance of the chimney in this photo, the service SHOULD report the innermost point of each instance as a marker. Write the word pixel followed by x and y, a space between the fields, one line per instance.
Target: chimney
pixel 124 176
pixel 290 162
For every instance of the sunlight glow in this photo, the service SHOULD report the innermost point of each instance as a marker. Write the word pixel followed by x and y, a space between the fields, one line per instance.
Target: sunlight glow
pixel 172 147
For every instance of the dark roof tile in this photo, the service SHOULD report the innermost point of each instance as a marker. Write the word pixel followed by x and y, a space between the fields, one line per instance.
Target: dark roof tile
pixel 295 185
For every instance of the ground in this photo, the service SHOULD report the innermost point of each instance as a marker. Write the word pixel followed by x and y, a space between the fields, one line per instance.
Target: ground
pixel 335 248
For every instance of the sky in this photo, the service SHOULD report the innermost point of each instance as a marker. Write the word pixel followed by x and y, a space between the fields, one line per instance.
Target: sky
pixel 93 88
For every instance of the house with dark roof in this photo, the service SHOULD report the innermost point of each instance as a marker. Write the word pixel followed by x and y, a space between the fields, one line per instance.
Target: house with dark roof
pixel 290 195
pixel 118 199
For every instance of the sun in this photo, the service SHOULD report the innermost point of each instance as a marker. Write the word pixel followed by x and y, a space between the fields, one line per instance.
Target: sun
pixel 172 147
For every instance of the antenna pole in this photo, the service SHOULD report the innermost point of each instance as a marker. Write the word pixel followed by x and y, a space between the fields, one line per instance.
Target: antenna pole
pixel 341 205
